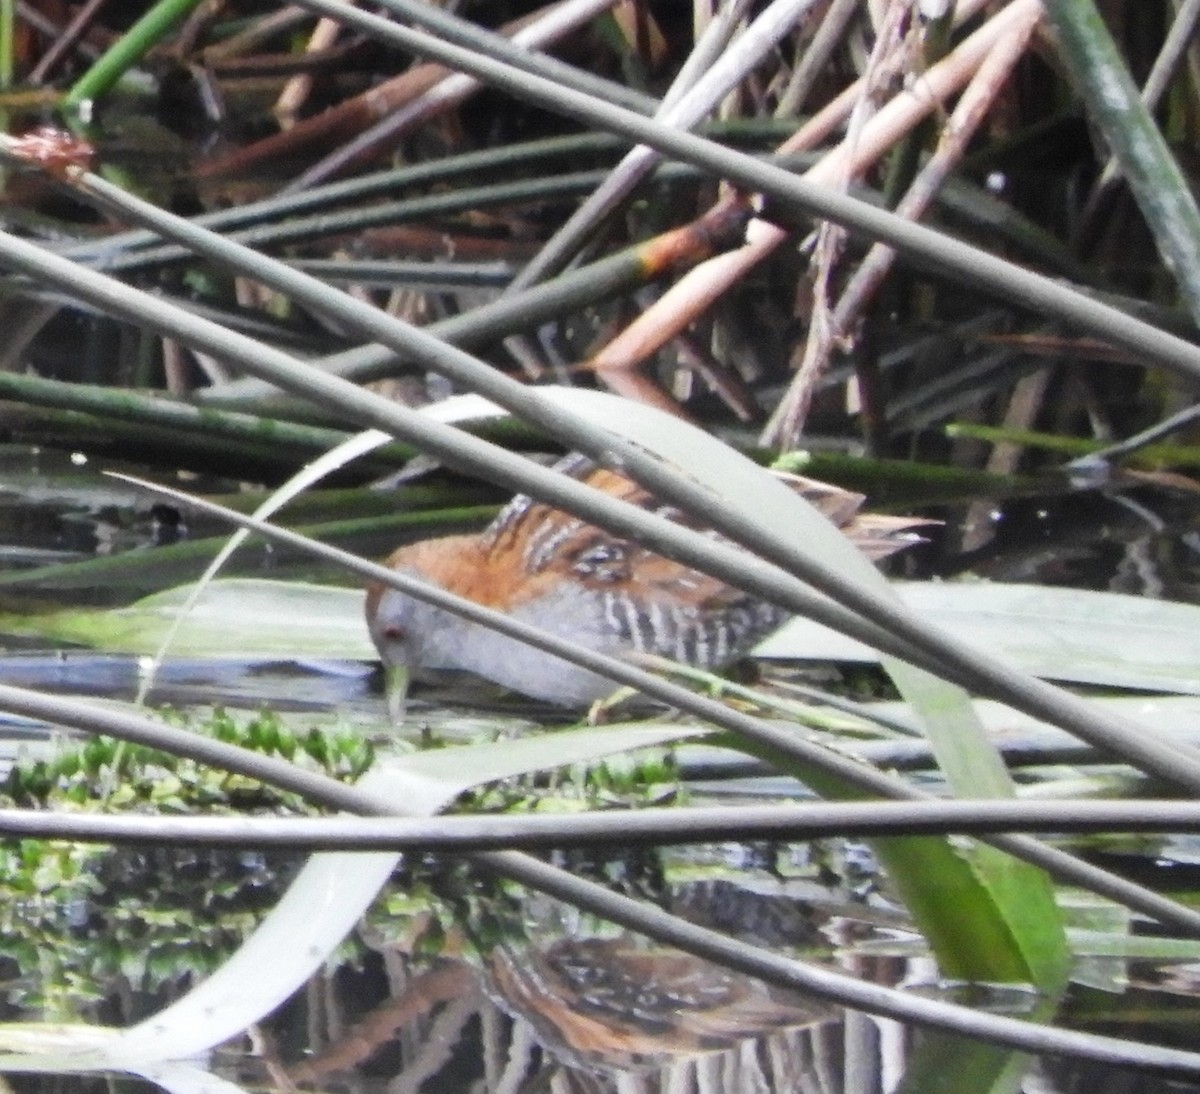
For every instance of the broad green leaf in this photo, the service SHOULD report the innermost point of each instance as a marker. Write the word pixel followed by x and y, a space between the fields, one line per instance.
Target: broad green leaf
pixel 235 617
pixel 1077 635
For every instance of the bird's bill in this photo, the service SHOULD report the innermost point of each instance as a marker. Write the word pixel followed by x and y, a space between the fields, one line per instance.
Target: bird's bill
pixel 395 682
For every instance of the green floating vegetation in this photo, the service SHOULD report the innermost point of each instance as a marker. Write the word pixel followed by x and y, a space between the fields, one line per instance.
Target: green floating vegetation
pixel 105 773
pixel 78 919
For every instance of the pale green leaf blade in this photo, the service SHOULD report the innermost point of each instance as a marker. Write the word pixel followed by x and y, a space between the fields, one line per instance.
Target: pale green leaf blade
pixel 232 617
pixel 1076 635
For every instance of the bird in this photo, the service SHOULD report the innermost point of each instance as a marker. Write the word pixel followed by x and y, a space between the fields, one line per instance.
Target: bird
pixel 622 1004
pixel 545 567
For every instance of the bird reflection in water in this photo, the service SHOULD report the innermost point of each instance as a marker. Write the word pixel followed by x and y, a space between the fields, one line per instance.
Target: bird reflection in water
pixel 615 1004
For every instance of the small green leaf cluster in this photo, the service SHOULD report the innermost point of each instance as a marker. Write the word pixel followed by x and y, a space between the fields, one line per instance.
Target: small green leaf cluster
pixel 628 780
pixel 116 774
pixel 436 903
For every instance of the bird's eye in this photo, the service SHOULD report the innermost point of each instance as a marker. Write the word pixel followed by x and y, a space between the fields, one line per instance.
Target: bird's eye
pixel 393 632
